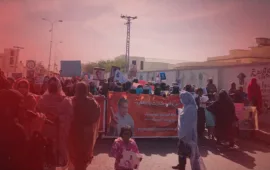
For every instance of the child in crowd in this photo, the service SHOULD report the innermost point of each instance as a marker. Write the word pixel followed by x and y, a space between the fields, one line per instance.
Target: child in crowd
pixel 200 112
pixel 139 89
pixel 124 142
pixel 210 119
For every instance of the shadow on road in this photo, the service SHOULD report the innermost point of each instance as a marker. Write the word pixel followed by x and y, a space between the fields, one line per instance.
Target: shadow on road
pixel 239 155
pixel 148 147
pixel 163 147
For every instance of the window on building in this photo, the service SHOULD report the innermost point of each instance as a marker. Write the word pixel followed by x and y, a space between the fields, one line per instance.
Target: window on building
pixel 141 65
pixel 134 62
pixel 11 52
pixel 11 61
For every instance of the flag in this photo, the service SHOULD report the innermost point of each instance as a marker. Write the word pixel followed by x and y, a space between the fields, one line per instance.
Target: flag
pixel 120 77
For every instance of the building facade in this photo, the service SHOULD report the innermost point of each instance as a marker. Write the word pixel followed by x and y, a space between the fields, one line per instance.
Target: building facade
pixel 143 65
pixel 259 53
pixel 10 62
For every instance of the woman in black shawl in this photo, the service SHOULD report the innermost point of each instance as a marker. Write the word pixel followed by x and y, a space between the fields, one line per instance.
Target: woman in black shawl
pixel 13 142
pixel 224 111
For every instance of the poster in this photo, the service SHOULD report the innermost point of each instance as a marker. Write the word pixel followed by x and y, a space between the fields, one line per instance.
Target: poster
pixel 98 73
pixel 130 160
pixel 247 117
pixel 147 115
pixel 162 76
pixel 113 70
pixel 17 75
pixel 239 111
pixel 70 68
pixel 132 71
pixel 119 76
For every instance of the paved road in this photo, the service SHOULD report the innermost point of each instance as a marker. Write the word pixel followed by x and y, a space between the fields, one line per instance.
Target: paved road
pixel 160 154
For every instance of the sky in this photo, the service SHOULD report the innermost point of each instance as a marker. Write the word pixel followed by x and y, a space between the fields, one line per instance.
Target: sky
pixel 166 30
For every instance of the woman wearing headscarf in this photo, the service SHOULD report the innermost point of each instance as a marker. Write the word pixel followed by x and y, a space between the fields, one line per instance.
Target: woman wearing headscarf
pixel 104 88
pixel 13 141
pixel 50 104
pixel 232 90
pixel 44 86
pixel 139 89
pixel 187 133
pixel 4 84
pixel 23 87
pixel 84 113
pixel 11 82
pixel 69 88
pixel 211 87
pixel 254 94
pixel 201 112
pixel 224 112
pixel 29 104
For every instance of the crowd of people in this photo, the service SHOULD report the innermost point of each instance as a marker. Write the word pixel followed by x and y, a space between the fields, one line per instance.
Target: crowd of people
pixel 50 130
pixel 56 124
pixel 215 111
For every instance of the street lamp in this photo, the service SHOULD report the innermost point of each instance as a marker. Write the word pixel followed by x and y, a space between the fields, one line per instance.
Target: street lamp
pixel 55 65
pixel 51 41
pixel 16 59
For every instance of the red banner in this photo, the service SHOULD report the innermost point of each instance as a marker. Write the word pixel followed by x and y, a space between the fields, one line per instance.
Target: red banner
pixel 101 101
pixel 148 115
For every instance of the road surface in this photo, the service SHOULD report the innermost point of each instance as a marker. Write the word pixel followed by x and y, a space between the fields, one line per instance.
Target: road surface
pixel 160 154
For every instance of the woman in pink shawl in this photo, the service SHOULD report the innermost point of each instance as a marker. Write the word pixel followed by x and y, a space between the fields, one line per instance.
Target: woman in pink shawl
pixel 254 94
pixel 50 104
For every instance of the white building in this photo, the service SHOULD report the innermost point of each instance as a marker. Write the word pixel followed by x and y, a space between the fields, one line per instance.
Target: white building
pixel 144 65
pixel 10 63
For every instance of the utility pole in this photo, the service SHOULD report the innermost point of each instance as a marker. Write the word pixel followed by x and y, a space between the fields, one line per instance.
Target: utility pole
pixel 51 40
pixel 55 55
pixel 128 19
pixel 16 58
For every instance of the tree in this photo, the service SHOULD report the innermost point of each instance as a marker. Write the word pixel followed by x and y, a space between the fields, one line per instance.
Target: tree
pixel 106 64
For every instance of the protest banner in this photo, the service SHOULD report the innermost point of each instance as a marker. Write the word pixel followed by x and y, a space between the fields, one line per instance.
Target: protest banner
pixel 113 70
pixel 98 73
pixel 102 103
pixel 148 115
pixel 70 68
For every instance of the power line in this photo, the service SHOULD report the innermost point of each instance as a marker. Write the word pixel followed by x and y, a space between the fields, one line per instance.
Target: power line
pixel 128 19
